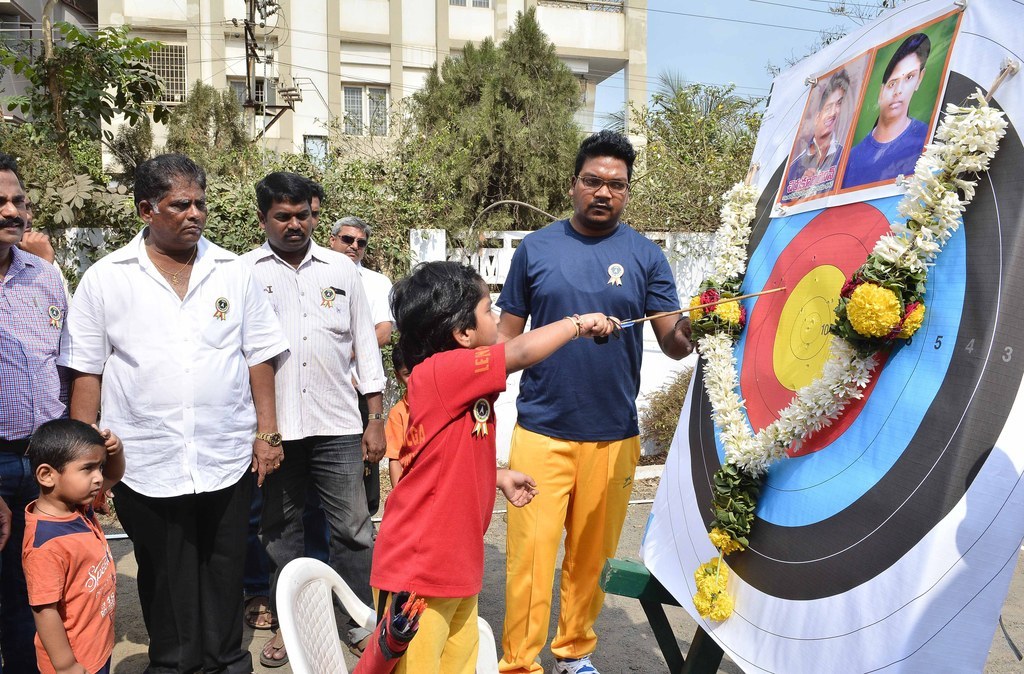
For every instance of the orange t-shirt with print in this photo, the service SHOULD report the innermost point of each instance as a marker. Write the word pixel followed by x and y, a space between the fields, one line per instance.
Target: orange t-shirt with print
pixel 398 424
pixel 67 562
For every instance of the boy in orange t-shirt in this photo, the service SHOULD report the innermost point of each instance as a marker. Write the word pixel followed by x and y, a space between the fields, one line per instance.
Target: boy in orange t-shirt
pixel 398 421
pixel 68 566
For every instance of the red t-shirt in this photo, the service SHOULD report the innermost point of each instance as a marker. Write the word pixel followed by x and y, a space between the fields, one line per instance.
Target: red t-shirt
pixel 67 561
pixel 431 539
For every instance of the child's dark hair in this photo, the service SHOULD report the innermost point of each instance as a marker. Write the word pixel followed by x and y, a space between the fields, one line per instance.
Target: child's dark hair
pixel 61 441
pixel 397 360
pixel 430 304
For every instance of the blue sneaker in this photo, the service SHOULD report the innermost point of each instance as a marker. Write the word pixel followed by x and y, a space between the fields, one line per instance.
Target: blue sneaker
pixel 578 666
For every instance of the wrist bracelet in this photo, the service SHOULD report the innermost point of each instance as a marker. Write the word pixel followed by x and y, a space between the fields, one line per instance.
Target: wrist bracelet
pixel 575 318
pixel 376 415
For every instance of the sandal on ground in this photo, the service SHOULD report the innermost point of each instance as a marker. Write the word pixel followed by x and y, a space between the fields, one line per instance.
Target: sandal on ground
pixel 258 614
pixel 273 648
pixel 357 649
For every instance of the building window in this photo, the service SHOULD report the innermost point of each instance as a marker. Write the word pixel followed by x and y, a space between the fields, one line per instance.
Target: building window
pixel 476 3
pixel 169 63
pixel 366 110
pixel 264 93
pixel 457 3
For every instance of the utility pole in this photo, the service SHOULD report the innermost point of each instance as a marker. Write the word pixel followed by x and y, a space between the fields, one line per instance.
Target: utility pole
pixel 290 95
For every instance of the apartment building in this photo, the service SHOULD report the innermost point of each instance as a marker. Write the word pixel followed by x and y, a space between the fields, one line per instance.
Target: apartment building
pixel 314 62
pixel 21 24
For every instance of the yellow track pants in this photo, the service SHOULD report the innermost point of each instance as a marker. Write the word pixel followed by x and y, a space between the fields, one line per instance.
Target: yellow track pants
pixel 448 639
pixel 584 487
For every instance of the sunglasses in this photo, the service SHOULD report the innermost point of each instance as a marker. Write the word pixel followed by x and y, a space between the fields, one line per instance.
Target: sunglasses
pixel 348 240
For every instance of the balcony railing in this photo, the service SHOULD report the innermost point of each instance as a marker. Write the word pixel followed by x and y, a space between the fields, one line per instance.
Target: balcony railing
pixel 613 6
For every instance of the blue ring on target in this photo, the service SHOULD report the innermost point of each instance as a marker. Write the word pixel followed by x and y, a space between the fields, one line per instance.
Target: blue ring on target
pixel 808 489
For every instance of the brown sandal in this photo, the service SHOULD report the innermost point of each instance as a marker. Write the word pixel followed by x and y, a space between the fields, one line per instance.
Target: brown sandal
pixel 258 614
pixel 273 648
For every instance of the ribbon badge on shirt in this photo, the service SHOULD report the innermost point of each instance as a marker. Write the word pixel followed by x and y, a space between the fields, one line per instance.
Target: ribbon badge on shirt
pixel 482 413
pixel 615 272
pixel 55 316
pixel 221 305
pixel 327 295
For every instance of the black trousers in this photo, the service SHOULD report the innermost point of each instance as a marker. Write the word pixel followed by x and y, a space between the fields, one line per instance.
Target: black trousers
pixel 371 471
pixel 191 555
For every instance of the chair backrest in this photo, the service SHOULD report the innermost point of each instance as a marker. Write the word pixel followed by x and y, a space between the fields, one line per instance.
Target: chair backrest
pixel 487 658
pixel 306 614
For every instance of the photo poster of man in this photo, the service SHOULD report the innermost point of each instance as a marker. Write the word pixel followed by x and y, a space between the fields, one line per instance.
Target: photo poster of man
pixel 819 149
pixel 866 122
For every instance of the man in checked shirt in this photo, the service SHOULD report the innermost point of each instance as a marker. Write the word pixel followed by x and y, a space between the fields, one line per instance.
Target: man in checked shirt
pixel 33 390
pixel 319 300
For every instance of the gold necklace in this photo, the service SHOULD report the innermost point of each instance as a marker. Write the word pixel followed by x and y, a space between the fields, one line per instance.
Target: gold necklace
pixel 49 513
pixel 174 275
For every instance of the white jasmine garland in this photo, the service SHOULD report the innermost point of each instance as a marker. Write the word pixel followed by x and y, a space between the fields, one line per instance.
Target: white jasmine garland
pixel 965 142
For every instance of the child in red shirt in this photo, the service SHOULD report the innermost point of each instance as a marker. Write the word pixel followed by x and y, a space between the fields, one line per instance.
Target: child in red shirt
pixel 68 566
pixel 431 537
pixel 398 422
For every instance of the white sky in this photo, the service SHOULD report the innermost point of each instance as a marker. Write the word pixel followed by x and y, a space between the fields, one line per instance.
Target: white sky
pixel 722 48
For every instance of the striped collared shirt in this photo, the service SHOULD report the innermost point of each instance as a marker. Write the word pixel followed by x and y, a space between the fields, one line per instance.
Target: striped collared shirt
pixel 326 318
pixel 33 390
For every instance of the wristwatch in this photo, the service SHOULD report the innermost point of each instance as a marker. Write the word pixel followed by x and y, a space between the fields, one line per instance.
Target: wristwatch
pixel 376 415
pixel 272 439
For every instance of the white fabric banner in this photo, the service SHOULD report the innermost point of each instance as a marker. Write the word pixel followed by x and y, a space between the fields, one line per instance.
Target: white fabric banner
pixel 890 541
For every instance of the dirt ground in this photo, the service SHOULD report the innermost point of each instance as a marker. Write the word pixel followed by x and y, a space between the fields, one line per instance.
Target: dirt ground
pixel 627 643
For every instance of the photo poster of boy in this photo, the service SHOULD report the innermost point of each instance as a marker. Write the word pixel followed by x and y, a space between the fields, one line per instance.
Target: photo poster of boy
pixel 899 107
pixel 814 162
pixel 867 121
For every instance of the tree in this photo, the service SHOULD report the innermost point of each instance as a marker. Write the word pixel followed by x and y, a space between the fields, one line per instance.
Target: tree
pixel 208 127
pixel 498 123
pixel 700 139
pixel 82 83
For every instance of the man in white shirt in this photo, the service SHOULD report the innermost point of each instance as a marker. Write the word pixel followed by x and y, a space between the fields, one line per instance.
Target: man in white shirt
pixel 351 236
pixel 318 296
pixel 175 337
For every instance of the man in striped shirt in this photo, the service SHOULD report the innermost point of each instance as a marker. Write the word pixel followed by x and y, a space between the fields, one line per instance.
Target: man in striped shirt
pixel 320 302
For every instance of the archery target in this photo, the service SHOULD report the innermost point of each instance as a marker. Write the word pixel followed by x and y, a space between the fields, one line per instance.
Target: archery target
pixel 884 498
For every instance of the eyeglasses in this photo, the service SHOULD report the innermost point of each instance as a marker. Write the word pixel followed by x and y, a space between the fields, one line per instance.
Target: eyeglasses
pixel 348 240
pixel 593 183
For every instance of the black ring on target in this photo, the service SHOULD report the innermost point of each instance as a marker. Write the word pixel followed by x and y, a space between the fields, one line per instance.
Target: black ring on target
pixel 953 440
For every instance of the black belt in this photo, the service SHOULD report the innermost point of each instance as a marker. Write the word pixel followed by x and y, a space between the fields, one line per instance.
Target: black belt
pixel 19 447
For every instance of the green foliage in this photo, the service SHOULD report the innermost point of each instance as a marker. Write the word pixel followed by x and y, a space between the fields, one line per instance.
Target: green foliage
pixel 734 500
pixel 496 124
pixel 209 127
pixel 661 415
pixel 88 80
pixel 131 146
pixel 700 139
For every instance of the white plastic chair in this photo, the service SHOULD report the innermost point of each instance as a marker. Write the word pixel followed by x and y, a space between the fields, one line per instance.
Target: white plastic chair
pixel 306 615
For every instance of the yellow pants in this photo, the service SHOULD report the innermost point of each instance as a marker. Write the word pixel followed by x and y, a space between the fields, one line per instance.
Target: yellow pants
pixel 447 641
pixel 585 488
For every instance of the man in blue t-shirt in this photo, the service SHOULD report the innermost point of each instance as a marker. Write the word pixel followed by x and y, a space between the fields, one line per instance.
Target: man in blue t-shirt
pixel 577 433
pixel 896 141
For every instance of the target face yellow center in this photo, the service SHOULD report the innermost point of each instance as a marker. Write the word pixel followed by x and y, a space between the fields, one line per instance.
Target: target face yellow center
pixel 802 338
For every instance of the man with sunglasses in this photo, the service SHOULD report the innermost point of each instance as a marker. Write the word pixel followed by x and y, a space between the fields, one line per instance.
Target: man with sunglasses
pixel 350 236
pixel 577 433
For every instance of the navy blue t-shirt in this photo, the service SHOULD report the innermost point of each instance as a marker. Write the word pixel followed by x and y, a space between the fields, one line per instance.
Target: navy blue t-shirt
pixel 586 391
pixel 871 161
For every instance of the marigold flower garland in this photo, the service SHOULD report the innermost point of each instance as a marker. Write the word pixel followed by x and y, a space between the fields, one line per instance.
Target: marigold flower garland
pixel 881 303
